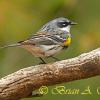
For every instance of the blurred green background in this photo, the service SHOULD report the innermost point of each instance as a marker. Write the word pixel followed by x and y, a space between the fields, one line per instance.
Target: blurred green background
pixel 21 18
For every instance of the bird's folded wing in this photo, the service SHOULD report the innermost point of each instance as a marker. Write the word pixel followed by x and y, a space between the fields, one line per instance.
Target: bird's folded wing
pixel 44 39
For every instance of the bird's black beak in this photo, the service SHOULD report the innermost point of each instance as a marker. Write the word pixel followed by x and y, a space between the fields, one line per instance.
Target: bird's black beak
pixel 73 23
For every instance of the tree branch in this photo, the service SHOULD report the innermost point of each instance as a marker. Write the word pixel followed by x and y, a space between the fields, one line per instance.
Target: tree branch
pixel 21 83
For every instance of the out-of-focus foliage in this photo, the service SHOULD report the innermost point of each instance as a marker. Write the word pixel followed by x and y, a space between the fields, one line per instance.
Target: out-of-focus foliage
pixel 21 18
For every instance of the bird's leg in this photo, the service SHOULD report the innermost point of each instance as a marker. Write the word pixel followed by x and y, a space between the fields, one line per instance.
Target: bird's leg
pixel 55 58
pixel 43 62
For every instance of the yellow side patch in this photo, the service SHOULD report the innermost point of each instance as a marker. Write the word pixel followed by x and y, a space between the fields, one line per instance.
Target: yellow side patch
pixel 67 42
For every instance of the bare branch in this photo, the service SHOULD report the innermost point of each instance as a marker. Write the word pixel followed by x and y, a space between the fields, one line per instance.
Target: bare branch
pixel 21 83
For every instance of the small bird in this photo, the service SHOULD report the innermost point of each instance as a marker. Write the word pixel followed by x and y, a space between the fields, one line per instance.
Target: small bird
pixel 52 38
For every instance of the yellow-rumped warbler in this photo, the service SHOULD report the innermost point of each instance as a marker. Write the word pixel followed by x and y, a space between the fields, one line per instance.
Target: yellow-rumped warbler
pixel 49 40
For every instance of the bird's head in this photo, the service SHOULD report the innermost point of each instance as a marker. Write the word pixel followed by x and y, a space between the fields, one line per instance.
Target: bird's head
pixel 58 24
pixel 63 24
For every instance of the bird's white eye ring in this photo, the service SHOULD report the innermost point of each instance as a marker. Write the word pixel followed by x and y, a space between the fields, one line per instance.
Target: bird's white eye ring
pixel 63 24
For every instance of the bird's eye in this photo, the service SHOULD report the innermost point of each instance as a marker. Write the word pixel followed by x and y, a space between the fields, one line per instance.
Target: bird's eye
pixel 62 24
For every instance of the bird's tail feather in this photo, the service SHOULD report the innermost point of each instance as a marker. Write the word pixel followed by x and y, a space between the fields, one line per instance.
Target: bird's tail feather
pixel 11 45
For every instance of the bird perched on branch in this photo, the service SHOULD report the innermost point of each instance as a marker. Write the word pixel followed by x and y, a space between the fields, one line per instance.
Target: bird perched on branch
pixel 52 38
